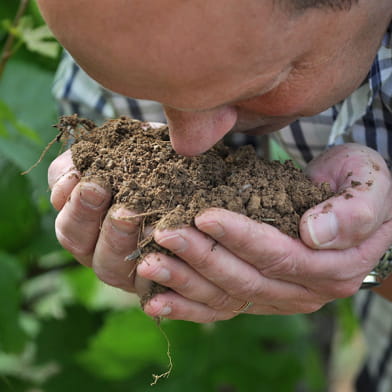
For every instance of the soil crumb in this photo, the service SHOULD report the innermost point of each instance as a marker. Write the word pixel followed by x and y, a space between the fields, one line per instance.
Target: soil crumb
pixel 168 190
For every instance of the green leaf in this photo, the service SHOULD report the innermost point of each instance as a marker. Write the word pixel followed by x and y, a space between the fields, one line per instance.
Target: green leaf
pixel 244 354
pixel 74 378
pixel 8 119
pixel 26 118
pixel 62 339
pixel 13 384
pixel 36 40
pixel 19 218
pixel 8 9
pixel 34 11
pixel 26 89
pixel 83 283
pixel 12 336
pixel 128 342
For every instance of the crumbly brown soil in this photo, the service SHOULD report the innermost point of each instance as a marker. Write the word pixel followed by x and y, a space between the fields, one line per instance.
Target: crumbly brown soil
pixel 146 175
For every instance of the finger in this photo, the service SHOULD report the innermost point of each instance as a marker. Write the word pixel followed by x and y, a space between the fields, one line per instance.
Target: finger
pixel 260 283
pixel 62 178
pixel 175 307
pixel 142 286
pixel 63 187
pixel 60 166
pixel 78 223
pixel 117 239
pixel 363 180
pixel 327 274
pixel 247 239
pixel 181 278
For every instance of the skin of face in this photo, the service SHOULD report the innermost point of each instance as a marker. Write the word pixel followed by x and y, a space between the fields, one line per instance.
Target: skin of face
pixel 225 65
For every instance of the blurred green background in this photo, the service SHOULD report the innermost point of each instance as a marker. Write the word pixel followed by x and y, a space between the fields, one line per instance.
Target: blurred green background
pixel 63 330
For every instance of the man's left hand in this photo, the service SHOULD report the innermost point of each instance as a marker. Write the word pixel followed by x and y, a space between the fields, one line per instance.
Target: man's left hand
pixel 228 260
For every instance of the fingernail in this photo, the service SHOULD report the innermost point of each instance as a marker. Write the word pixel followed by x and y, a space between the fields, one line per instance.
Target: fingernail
pixel 158 274
pixel 66 177
pixel 123 223
pixel 165 311
pixel 174 242
pixel 92 195
pixel 323 228
pixel 162 275
pixel 214 229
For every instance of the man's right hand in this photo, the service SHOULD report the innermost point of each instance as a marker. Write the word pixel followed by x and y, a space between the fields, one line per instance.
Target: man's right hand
pixel 85 226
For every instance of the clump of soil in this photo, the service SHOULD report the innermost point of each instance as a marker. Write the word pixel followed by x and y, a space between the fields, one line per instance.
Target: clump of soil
pixel 168 190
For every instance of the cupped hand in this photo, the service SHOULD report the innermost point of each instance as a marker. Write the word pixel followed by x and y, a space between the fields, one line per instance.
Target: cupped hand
pixel 228 259
pixel 97 235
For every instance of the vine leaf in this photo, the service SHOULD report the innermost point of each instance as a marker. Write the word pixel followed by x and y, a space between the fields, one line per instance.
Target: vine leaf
pixel 37 39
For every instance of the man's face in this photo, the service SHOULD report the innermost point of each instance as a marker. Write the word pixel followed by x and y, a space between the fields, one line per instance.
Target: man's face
pixel 221 65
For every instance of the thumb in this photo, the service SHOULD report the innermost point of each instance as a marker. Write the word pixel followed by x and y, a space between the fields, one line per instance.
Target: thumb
pixel 363 202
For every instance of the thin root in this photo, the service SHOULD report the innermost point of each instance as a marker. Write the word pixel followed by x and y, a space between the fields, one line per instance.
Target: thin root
pixel 170 366
pixel 65 126
pixel 41 157
pixel 132 217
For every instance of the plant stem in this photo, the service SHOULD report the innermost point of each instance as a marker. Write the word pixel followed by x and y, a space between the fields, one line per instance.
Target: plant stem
pixel 7 50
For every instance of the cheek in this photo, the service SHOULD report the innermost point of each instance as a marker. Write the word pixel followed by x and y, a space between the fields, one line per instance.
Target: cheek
pixel 301 95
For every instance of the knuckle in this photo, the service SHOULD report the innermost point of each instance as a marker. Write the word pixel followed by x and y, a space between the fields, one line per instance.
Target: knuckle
pixel 58 198
pixel 310 307
pixel 220 302
pixel 301 307
pixel 366 215
pixel 118 245
pixel 246 241
pixel 182 282
pixel 345 289
pixel 311 301
pixel 216 315
pixel 362 219
pixel 77 214
pixel 284 266
pixel 211 317
pixel 62 189
pixel 79 249
pixel 339 289
pixel 111 278
pixel 60 166
pixel 203 261
pixel 248 288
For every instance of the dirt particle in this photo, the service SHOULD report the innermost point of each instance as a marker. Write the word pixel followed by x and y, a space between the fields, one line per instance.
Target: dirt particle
pixel 326 208
pixel 348 196
pixel 355 183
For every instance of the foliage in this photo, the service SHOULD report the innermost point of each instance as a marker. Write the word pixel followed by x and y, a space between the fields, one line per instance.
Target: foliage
pixel 60 328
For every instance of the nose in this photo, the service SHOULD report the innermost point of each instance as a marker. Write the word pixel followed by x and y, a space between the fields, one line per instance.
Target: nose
pixel 192 133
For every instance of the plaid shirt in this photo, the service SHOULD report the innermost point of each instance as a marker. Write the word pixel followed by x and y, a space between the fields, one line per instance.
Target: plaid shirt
pixel 364 117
